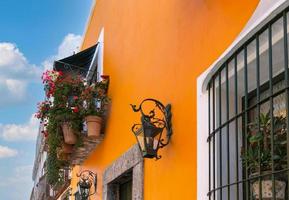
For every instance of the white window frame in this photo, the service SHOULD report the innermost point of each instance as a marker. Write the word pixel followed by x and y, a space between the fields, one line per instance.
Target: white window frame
pixel 97 60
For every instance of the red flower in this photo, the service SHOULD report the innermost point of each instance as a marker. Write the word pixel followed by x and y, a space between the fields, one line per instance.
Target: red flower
pixel 75 97
pixel 45 133
pixel 60 73
pixel 75 109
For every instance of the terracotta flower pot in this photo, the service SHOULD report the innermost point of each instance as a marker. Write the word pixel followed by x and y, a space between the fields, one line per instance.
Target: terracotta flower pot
pixel 267 189
pixel 67 148
pixel 61 155
pixel 93 126
pixel 68 134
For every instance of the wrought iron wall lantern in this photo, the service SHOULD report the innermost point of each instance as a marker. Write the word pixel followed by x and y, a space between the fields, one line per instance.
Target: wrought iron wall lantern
pixel 155 118
pixel 87 179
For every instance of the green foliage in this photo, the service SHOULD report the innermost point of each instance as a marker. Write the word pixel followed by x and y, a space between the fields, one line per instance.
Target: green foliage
pixel 69 99
pixel 258 154
pixel 65 108
pixel 95 99
pixel 54 141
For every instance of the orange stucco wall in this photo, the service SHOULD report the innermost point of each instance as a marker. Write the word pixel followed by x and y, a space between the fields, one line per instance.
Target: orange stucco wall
pixel 157 48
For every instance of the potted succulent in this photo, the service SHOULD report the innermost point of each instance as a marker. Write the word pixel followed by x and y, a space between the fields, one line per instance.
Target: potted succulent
pixel 95 100
pixel 258 158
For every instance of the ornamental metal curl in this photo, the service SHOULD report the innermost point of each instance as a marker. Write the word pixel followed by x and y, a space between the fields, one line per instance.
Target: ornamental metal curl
pixel 154 124
pixel 73 69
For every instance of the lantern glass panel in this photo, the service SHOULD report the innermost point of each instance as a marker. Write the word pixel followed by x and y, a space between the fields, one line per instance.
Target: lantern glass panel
pixel 141 139
pixel 150 142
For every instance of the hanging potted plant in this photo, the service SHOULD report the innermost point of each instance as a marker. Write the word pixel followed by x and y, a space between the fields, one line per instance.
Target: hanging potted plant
pixel 66 106
pixel 257 158
pixel 67 148
pixel 95 101
pixel 62 155
pixel 60 113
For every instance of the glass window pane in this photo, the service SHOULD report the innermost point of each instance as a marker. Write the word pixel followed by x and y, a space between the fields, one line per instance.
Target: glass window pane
pixel 217 101
pixel 224 102
pixel 264 63
pixel 278 52
pixel 240 80
pixel 252 70
pixel 211 108
pixel 232 91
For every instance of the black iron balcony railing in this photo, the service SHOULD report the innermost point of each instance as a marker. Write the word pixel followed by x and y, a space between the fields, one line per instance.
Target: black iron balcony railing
pixel 56 191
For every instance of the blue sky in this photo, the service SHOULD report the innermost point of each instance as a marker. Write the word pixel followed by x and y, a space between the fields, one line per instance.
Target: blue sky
pixel 32 34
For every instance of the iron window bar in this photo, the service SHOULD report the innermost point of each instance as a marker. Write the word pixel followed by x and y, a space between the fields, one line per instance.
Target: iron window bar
pixel 220 135
pixel 258 109
pixel 236 125
pixel 247 110
pixel 209 143
pixel 248 180
pixel 214 141
pixel 286 70
pixel 227 129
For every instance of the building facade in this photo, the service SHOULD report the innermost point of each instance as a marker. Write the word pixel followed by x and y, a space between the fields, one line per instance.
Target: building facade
pixel 228 119
pixel 42 190
pixel 157 50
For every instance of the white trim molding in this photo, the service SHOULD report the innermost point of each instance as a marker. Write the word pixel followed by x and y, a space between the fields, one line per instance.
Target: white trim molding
pixel 97 60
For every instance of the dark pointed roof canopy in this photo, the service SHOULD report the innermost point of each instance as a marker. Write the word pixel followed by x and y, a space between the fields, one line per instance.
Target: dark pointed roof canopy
pixel 77 63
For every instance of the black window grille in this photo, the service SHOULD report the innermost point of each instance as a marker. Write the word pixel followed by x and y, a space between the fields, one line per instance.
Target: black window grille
pixel 248 115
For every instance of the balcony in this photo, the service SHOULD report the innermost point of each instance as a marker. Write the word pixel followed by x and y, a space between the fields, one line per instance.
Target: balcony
pixel 80 154
pixel 74 110
pixel 56 191
pixel 94 95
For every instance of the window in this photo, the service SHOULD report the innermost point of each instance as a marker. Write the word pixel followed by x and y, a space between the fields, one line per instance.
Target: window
pixel 123 180
pixel 125 190
pixel 121 188
pixel 77 196
pixel 248 117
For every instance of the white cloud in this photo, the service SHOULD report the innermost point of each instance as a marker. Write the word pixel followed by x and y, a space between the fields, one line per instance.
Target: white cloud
pixel 15 73
pixel 6 152
pixel 20 132
pixel 68 46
